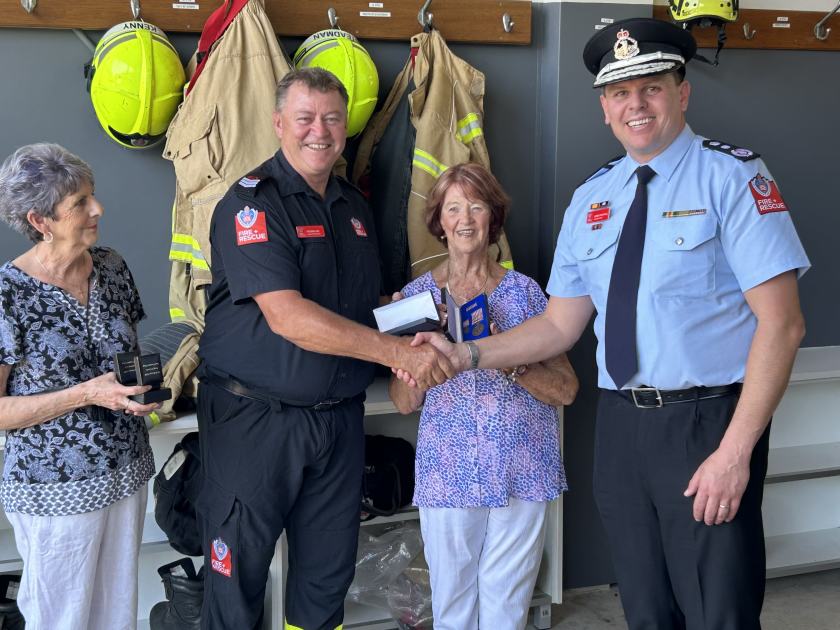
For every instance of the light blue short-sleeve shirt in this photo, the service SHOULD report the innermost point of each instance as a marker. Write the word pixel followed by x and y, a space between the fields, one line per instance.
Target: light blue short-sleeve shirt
pixel 716 227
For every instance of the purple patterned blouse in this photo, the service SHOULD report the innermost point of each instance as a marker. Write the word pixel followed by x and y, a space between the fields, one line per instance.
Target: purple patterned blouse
pixel 482 439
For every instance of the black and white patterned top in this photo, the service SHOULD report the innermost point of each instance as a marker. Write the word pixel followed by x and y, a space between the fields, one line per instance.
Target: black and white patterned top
pixel 74 463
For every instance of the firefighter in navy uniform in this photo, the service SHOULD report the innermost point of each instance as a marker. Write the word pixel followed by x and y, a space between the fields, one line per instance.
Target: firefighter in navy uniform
pixel 285 363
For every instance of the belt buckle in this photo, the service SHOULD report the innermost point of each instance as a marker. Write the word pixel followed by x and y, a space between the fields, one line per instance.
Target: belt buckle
pixel 645 390
pixel 325 404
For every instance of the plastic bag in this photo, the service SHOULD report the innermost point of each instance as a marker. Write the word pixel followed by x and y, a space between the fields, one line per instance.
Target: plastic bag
pixel 392 574
pixel 410 598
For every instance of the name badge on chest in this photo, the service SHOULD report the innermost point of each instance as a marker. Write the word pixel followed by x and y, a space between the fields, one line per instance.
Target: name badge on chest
pixel 310 231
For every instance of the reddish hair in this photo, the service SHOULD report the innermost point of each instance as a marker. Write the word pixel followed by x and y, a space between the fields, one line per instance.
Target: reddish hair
pixel 478 184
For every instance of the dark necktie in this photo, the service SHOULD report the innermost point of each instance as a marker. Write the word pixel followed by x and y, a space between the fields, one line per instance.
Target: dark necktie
pixel 620 325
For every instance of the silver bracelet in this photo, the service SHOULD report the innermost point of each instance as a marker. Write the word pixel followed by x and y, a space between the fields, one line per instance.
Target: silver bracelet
pixel 475 355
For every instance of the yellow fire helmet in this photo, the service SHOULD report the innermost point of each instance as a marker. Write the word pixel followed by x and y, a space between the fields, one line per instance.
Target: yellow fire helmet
pixel 341 53
pixel 705 13
pixel 712 10
pixel 135 80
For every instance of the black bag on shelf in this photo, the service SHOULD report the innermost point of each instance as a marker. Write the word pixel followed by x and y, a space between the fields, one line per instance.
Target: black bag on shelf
pixel 176 489
pixel 388 482
pixel 10 616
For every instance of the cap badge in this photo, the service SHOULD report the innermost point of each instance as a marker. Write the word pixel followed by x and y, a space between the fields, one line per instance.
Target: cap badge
pixel 626 46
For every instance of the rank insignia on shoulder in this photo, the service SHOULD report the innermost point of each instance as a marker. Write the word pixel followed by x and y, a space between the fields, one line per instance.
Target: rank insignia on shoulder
pixel 605 167
pixel 250 181
pixel 739 153
pixel 766 195
pixel 250 227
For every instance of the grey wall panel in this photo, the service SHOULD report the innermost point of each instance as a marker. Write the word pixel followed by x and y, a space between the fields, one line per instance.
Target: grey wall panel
pixel 44 99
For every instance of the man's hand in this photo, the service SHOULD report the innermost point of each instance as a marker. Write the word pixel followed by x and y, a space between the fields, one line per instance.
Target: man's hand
pixel 421 365
pixel 457 355
pixel 718 486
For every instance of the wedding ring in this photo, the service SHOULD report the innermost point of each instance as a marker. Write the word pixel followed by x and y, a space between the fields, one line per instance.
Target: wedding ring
pixel 724 507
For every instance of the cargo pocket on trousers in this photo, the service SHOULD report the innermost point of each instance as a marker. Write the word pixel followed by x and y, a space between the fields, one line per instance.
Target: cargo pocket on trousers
pixel 219 513
pixel 194 145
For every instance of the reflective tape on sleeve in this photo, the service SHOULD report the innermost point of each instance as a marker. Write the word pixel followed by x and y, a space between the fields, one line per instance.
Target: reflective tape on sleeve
pixel 469 128
pixel 426 162
pixel 185 248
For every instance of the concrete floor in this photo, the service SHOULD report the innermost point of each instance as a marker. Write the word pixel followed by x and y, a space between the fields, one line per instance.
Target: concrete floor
pixel 799 602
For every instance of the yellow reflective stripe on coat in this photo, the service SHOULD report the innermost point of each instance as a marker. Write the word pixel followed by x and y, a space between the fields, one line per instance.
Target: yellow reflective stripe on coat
pixel 507 264
pixel 154 418
pixel 427 162
pixel 469 128
pixel 176 314
pixel 288 626
pixel 185 248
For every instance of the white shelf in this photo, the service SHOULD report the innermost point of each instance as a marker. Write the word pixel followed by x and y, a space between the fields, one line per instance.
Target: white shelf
pixel 789 463
pixel 378 402
pixel 410 513
pixel 803 552
pixel 816 364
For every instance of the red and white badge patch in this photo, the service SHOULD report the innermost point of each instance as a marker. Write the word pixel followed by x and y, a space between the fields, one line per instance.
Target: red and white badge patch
pixel 598 212
pixel 220 557
pixel 310 231
pixel 250 227
pixel 358 227
pixel 767 196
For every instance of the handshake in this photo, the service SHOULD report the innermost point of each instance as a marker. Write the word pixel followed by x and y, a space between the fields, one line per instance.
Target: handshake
pixel 429 358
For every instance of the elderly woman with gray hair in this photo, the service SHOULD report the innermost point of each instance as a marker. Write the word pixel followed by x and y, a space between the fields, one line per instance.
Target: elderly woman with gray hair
pixel 77 454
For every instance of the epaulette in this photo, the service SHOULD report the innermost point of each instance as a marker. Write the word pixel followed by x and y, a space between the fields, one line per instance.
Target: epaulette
pixel 739 153
pixel 247 186
pixel 605 167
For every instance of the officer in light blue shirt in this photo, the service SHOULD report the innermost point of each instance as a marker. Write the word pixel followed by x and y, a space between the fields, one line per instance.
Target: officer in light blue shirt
pixel 685 250
pixel 708 242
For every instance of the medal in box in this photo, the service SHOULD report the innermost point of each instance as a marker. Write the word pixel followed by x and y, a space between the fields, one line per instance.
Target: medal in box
pixel 133 368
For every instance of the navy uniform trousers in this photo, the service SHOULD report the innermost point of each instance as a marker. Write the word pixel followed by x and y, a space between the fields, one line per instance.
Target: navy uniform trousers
pixel 270 467
pixel 673 572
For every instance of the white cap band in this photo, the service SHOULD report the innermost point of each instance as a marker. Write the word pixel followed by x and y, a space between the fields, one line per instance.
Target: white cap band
pixel 640 65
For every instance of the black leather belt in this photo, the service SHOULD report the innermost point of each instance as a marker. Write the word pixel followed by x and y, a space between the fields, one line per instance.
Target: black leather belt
pixel 238 389
pixel 651 397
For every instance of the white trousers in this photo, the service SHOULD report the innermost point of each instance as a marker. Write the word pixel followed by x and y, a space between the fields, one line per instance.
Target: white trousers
pixel 80 571
pixel 483 563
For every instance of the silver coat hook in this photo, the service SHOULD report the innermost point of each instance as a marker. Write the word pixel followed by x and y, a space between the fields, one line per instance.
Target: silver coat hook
pixel 332 17
pixel 507 23
pixel 748 32
pixel 820 30
pixel 135 9
pixel 424 17
pixel 29 5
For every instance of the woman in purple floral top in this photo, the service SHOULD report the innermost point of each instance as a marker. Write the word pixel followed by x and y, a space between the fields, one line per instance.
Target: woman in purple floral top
pixel 488 447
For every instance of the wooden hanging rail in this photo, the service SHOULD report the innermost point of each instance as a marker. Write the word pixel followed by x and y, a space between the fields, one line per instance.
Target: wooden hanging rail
pixel 478 21
pixel 768 29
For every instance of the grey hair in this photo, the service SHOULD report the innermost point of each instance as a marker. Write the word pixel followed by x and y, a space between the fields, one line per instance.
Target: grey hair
pixel 312 77
pixel 38 177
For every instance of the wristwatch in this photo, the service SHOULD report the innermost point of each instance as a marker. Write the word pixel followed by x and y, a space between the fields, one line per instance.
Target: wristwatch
pixel 475 355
